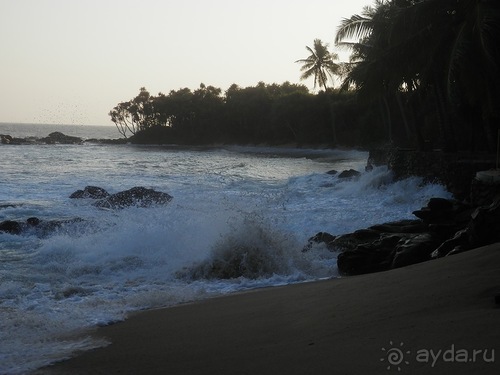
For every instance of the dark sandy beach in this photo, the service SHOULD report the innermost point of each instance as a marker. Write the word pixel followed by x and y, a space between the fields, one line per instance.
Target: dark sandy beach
pixel 437 317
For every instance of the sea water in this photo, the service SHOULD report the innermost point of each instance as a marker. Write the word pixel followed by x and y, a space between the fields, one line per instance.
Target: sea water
pixel 264 202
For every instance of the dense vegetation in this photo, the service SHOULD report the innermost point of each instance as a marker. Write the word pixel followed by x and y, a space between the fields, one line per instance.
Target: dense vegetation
pixel 263 114
pixel 433 66
pixel 422 74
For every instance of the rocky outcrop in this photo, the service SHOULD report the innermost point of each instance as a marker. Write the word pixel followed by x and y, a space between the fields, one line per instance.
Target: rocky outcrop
pixel 444 227
pixel 349 173
pixel 6 139
pixel 35 225
pixel 60 138
pixel 455 170
pixel 56 138
pixel 137 196
pixel 90 192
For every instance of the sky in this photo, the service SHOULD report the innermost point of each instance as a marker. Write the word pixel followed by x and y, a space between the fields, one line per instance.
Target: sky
pixel 72 61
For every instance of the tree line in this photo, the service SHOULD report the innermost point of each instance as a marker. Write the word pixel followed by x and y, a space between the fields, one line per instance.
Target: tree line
pixel 423 74
pixel 270 114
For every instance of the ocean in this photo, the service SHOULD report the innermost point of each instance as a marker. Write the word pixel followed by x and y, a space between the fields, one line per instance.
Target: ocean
pixel 254 204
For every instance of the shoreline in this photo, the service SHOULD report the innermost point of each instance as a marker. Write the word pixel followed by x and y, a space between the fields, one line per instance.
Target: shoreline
pixel 345 326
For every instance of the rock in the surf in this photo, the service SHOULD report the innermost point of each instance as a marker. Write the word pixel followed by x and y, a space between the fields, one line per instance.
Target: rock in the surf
pixel 137 196
pixel 91 192
pixel 60 138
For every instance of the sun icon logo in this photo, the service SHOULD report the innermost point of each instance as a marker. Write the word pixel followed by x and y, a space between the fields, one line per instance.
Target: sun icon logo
pixel 394 356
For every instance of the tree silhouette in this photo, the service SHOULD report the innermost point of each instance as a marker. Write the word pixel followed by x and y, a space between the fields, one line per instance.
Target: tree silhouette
pixel 320 64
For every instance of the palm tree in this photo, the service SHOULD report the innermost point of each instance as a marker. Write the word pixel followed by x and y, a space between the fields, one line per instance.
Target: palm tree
pixel 372 69
pixel 320 64
pixel 434 53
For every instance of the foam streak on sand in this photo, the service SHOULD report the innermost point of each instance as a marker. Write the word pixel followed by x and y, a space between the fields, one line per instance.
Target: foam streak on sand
pixel 343 326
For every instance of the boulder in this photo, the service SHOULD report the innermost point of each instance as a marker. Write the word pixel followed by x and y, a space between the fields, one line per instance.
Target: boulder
pixel 350 241
pixel 459 242
pixel 369 257
pixel 137 196
pixel 415 249
pixel 401 226
pixel 349 173
pixel 321 237
pixel 444 211
pixel 484 228
pixel 9 140
pixel 35 225
pixel 10 226
pixel 5 139
pixel 92 192
pixel 234 261
pixel 60 138
pixel 440 204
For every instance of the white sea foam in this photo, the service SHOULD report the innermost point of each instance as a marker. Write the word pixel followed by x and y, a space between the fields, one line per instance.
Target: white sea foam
pixel 254 208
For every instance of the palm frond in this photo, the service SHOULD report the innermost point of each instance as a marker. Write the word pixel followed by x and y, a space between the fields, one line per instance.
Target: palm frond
pixel 355 27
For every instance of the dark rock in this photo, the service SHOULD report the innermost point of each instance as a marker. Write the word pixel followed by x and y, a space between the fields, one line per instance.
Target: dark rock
pixel 459 249
pixel 349 173
pixel 333 172
pixel 251 262
pixel 402 226
pixel 9 140
pixel 483 193
pixel 378 157
pixel 116 141
pixel 369 257
pixel 454 170
pixel 440 204
pixel 71 292
pixel 444 213
pixel 459 241
pixel 5 139
pixel 137 196
pixel 350 241
pixel 484 228
pixel 92 192
pixel 60 138
pixel 33 221
pixel 36 226
pixel 10 226
pixel 321 237
pixel 415 250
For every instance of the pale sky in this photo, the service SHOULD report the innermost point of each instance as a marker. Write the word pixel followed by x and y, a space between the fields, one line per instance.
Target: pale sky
pixel 72 61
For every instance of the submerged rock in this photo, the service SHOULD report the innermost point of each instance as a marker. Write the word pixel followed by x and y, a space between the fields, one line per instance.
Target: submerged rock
pixel 10 226
pixel 35 225
pixel 92 192
pixel 137 196
pixel 241 261
pixel 349 173
pixel 321 237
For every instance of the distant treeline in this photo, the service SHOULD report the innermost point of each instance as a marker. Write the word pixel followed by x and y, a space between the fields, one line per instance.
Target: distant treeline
pixel 270 114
